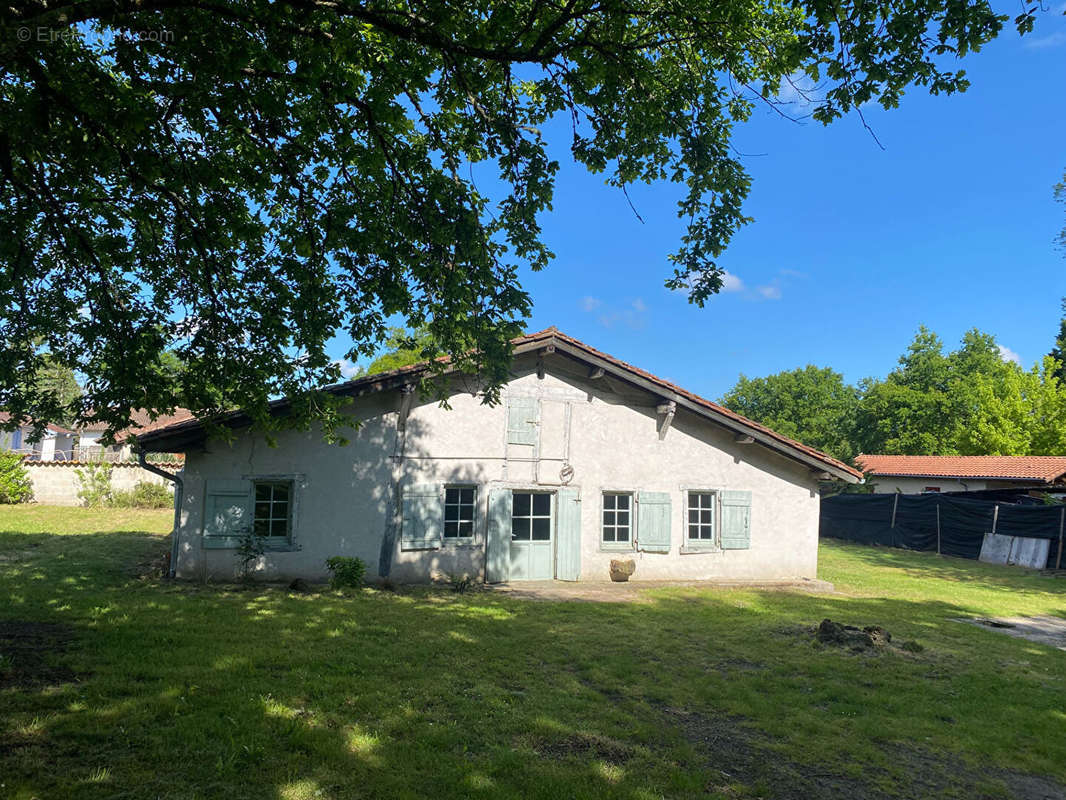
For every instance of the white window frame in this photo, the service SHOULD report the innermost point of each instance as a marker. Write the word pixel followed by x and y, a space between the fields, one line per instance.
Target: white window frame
pixel 616 546
pixel 702 545
pixel 297 483
pixel 458 540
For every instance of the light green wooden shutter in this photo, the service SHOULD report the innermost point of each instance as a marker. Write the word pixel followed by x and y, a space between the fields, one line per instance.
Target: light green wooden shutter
pixel 522 420
pixel 227 508
pixel 736 520
pixel 653 522
pixel 498 546
pixel 568 547
pixel 422 517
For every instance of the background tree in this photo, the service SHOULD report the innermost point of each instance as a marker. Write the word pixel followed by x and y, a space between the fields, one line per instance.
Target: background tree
pixel 1058 352
pixel 403 348
pixel 812 405
pixel 252 178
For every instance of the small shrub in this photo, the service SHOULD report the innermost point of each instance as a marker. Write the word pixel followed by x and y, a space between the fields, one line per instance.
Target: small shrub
pixel 459 583
pixel 346 572
pixel 249 550
pixel 15 485
pixel 144 495
pixel 95 482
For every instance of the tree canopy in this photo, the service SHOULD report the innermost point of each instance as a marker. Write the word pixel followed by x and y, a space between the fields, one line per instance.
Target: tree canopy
pixel 811 404
pixel 240 181
pixel 966 402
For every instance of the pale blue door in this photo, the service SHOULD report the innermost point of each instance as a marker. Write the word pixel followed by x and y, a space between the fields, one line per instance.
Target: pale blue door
pixel 532 528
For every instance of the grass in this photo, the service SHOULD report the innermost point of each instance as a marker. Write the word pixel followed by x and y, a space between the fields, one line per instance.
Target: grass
pixel 139 688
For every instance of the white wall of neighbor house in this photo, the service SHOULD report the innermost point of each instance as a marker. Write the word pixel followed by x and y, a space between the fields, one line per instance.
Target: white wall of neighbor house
pixel 890 485
pixel 606 434
pixel 56 483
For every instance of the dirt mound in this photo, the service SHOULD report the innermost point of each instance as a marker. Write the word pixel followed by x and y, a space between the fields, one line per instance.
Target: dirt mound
pixel 872 637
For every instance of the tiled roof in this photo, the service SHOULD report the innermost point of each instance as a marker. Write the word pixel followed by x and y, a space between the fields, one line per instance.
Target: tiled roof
pixel 1044 469
pixel 552 335
pixel 4 417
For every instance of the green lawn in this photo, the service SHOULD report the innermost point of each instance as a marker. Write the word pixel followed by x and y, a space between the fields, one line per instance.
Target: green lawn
pixel 151 689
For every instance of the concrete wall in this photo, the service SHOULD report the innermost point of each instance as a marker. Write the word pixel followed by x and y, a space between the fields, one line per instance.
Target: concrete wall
pixel 56 482
pixel 889 485
pixel 605 432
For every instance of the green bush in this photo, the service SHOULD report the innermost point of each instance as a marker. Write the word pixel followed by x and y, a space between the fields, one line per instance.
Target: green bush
pixel 15 486
pixel 346 572
pixel 95 482
pixel 143 495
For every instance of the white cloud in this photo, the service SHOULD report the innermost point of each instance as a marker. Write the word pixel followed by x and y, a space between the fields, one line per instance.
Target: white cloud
pixel 770 291
pixel 590 303
pixel 1009 355
pixel 1043 42
pixel 793 273
pixel 731 282
pixel 348 368
pixel 639 306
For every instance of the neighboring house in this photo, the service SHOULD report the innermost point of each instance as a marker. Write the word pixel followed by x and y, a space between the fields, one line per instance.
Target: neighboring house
pixel 918 474
pixel 56 444
pixel 90 446
pixel 585 460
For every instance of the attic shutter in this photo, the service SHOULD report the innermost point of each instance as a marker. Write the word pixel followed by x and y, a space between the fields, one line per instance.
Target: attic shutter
pixel 653 522
pixel 736 520
pixel 498 555
pixel 422 517
pixel 522 420
pixel 227 508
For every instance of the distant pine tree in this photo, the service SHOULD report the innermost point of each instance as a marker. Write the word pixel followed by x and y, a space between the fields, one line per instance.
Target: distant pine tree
pixel 1058 352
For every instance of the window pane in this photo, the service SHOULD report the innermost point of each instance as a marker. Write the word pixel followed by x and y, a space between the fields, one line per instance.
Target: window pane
pixel 466 512
pixel 261 527
pixel 608 534
pixel 451 529
pixel 622 534
pixel 262 510
pixel 622 501
pixel 705 517
pixel 542 505
pixel 451 512
pixel 521 504
pixel 279 527
pixel 520 530
pixel 693 531
pixel 541 529
pixel 466 495
pixel 262 492
pixel 693 515
pixel 451 495
pixel 608 517
pixel 281 492
pixel 466 528
pixel 623 517
pixel 609 501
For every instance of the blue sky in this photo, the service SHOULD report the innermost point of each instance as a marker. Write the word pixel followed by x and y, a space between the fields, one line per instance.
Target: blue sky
pixel 852 248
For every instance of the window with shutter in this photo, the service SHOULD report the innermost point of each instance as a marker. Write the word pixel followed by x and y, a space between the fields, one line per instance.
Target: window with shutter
pixel 653 522
pixel 227 512
pixel 522 420
pixel 422 519
pixel 736 520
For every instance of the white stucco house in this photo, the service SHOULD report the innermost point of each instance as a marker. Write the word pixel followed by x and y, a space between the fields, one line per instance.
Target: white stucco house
pixel 585 460
pixel 54 444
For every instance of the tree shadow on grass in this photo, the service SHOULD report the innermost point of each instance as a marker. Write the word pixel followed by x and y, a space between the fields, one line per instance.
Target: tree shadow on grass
pixel 198 691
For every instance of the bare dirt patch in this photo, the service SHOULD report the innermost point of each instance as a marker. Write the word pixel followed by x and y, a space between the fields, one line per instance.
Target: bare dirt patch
pixel 29 652
pixel 584 746
pixel 1042 630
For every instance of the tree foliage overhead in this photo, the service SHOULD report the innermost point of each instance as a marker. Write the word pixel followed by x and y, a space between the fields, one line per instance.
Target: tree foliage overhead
pixel 241 180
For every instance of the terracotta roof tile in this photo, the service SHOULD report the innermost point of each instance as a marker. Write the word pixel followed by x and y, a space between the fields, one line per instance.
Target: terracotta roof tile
pixel 1046 469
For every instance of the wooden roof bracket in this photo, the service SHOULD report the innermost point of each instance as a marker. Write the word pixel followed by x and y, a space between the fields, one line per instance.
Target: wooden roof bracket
pixel 544 351
pixel 666 411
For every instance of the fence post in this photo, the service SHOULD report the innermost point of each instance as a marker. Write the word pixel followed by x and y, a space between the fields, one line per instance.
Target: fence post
pixel 895 501
pixel 938 528
pixel 1062 521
